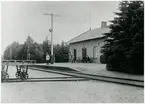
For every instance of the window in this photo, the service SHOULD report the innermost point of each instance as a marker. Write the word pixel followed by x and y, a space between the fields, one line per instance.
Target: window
pixel 84 52
pixel 95 52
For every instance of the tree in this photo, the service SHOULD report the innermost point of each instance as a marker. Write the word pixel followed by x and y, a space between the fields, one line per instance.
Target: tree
pixel 11 52
pixel 28 47
pixel 46 46
pixel 61 52
pixel 14 51
pixel 125 42
pixel 19 51
pixel 37 52
pixel 7 53
pixel 38 56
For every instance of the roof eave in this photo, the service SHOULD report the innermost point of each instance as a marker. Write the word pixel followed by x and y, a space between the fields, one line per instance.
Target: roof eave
pixel 86 40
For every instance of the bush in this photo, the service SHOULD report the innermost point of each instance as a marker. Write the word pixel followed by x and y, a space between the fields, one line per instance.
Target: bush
pixel 124 47
pixel 102 59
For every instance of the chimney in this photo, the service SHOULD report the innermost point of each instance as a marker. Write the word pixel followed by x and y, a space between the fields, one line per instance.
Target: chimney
pixel 103 24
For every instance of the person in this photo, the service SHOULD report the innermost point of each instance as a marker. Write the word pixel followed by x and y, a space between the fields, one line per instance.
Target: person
pixel 47 59
pixel 84 59
pixel 88 59
pixel 72 58
pixel 18 70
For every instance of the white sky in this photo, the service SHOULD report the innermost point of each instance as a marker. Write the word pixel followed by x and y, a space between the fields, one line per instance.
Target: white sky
pixel 20 19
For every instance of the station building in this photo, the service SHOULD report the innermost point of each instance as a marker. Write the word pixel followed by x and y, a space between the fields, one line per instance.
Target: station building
pixel 88 43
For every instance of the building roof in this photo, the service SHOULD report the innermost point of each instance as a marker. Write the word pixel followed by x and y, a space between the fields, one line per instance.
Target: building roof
pixel 90 34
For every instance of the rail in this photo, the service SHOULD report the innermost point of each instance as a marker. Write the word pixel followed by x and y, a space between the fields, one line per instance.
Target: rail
pixel 124 81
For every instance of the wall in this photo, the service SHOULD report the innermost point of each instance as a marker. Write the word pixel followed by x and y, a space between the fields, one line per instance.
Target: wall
pixel 89 44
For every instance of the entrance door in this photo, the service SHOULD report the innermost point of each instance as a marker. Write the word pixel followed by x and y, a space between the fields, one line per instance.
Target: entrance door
pixel 75 54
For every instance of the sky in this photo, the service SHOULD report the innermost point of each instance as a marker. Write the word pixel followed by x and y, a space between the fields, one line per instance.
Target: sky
pixel 22 18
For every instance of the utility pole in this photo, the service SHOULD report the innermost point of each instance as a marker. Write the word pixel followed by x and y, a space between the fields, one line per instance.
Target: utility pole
pixel 28 52
pixel 51 30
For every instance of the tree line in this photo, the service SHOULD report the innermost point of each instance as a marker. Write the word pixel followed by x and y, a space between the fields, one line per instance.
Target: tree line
pixel 34 51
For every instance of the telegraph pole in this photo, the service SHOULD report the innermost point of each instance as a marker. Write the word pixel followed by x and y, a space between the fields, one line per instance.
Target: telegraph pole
pixel 28 52
pixel 51 30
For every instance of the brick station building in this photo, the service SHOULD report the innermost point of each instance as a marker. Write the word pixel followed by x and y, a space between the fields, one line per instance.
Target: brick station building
pixel 88 44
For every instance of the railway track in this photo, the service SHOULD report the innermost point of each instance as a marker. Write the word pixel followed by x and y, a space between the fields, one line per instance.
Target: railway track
pixel 13 80
pixel 131 82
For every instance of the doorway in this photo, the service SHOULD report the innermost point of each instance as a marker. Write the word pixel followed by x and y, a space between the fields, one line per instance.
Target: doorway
pixel 75 54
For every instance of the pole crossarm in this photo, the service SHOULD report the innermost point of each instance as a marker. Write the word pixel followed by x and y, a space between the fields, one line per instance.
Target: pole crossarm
pixel 55 15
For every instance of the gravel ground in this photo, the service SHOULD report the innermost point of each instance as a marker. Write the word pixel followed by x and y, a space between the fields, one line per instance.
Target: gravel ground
pixel 68 92
pixel 96 69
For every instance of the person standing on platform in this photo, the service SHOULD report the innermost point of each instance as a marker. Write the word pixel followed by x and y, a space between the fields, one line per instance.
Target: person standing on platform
pixel 47 58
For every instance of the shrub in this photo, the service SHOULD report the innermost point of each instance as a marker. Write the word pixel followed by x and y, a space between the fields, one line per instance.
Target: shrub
pixel 102 59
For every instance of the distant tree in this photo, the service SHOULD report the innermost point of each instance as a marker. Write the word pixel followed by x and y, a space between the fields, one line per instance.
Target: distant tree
pixel 11 51
pixel 19 51
pixel 7 53
pixel 46 46
pixel 124 50
pixel 37 52
pixel 14 51
pixel 28 47
pixel 38 56
pixel 61 52
pixel 29 41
